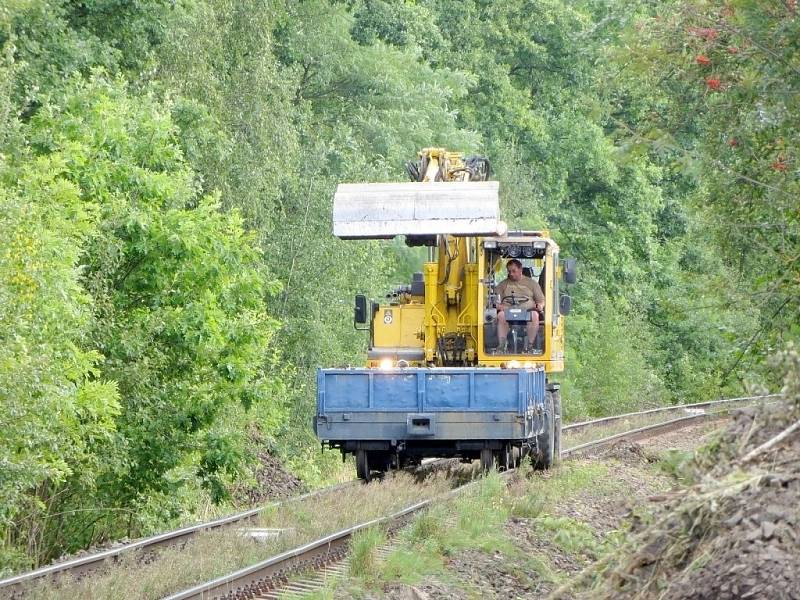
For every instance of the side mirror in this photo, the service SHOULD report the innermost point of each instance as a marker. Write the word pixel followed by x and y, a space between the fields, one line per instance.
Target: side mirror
pixel 360 311
pixel 570 270
pixel 564 304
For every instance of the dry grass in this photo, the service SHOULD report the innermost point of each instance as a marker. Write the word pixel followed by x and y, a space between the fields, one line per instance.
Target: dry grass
pixel 213 554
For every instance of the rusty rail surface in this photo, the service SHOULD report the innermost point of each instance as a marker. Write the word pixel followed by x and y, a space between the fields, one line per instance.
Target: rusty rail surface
pixel 84 564
pixel 572 427
pixel 333 546
pixel 644 432
pixel 14 586
pixel 272 574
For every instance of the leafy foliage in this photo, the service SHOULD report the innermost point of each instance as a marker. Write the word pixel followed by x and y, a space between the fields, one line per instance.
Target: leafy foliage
pixel 167 272
pixel 725 75
pixel 57 413
pixel 139 313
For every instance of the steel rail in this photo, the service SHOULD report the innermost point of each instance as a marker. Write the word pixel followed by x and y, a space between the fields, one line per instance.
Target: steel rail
pixel 645 431
pixel 89 562
pixel 605 420
pixel 266 575
pixel 251 578
pixel 258 578
pixel 83 564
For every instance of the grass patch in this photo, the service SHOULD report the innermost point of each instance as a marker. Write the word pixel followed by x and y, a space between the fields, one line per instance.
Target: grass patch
pixel 530 497
pixel 409 565
pixel 364 552
pixel 429 528
pixel 577 476
pixel 570 535
pixel 576 538
pixel 476 521
pixel 480 515
pixel 472 520
pixel 525 506
pixel 532 563
pixel 678 464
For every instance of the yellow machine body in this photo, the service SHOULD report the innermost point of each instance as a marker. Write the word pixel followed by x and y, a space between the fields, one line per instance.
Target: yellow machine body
pixel 399 326
pixel 457 296
pixel 447 318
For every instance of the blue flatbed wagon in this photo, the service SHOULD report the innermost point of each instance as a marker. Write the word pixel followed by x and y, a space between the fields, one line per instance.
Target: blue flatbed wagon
pixel 391 418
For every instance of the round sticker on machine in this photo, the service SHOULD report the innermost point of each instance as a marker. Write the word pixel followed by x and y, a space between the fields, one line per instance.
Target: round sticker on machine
pixel 387 317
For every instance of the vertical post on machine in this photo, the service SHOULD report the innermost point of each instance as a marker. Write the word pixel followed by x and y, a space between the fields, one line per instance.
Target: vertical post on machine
pixel 431 276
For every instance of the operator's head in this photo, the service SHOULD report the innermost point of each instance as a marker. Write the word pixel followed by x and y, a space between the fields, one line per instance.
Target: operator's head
pixel 514 268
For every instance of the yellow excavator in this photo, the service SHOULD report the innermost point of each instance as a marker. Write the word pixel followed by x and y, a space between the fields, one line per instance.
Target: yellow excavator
pixel 453 367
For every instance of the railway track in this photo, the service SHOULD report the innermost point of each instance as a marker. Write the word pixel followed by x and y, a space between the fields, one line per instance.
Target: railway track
pixel 76 568
pixel 699 407
pixel 270 578
pixel 675 418
pixel 274 572
pixel 84 564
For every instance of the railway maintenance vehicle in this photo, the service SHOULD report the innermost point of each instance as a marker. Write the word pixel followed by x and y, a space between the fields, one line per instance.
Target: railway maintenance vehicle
pixel 440 380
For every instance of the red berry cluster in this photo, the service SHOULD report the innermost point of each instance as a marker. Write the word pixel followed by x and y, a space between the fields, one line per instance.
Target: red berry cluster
pixel 707 33
pixel 780 163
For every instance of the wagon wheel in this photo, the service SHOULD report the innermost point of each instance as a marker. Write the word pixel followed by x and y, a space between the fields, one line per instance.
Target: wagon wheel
pixel 487 460
pixel 362 464
pixel 506 457
pixel 543 457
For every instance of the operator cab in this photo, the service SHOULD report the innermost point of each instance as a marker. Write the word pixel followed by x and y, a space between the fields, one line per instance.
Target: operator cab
pixel 514 302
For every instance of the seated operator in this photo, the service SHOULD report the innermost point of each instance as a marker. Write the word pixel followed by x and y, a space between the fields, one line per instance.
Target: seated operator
pixel 518 286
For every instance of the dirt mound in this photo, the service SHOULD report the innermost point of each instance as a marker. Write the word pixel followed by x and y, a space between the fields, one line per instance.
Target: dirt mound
pixel 270 479
pixel 735 533
pixel 629 452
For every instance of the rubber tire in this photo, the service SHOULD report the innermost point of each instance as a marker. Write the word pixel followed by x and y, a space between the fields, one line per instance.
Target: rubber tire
pixel 487 460
pixel 362 465
pixel 557 427
pixel 543 457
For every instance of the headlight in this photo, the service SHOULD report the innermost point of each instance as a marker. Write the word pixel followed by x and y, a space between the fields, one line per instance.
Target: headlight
pixel 528 364
pixel 513 364
pixel 386 364
pixel 541 245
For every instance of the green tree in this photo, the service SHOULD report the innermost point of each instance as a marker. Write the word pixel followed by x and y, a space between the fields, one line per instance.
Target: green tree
pixel 139 318
pixel 57 410
pixel 725 75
